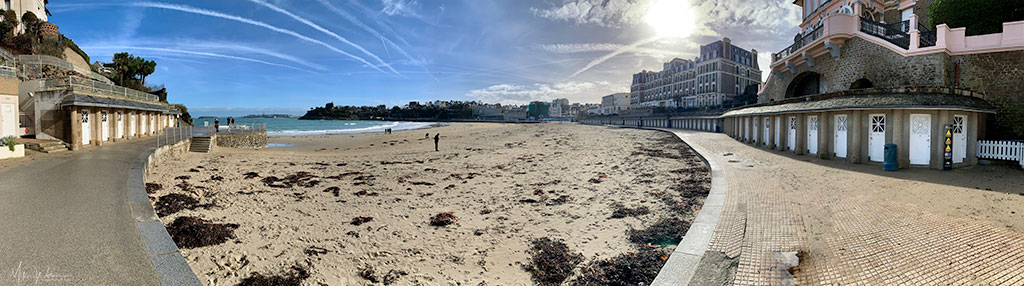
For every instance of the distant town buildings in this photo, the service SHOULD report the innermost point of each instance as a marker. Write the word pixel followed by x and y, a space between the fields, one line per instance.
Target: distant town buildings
pixel 721 72
pixel 614 103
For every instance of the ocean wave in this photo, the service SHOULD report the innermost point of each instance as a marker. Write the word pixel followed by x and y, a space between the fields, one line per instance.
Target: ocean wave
pixel 375 128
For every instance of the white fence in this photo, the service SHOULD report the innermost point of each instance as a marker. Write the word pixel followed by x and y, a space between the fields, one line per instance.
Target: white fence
pixel 1001 150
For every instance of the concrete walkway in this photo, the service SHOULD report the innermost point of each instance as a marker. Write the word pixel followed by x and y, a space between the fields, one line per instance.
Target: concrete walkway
pixel 857 225
pixel 67 221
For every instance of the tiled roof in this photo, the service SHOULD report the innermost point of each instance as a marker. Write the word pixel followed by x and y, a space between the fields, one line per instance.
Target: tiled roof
pixel 87 100
pixel 873 101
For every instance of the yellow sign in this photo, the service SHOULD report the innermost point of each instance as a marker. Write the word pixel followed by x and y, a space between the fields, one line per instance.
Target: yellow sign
pixel 948 134
pixel 947 149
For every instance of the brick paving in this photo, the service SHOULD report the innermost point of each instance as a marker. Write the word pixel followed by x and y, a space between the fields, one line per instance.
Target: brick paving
pixel 779 202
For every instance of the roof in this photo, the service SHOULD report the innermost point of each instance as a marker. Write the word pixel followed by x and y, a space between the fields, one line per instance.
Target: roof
pixel 96 101
pixel 872 101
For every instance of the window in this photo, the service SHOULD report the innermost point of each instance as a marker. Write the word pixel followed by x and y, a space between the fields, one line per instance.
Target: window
pixel 7 4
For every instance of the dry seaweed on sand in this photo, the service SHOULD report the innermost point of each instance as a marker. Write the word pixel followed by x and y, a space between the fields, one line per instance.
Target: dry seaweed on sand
pixel 333 190
pixel 370 274
pixel 551 261
pixel 251 175
pixel 628 269
pixel 192 232
pixel 621 211
pixel 665 232
pixel 291 278
pixel 172 203
pixel 443 219
pixel 361 220
pixel 301 179
pixel 182 177
pixel 153 187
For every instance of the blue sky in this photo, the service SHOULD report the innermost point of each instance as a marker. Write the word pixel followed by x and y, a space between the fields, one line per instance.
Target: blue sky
pixel 235 57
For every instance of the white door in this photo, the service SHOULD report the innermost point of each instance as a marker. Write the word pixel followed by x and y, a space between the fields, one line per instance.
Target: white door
pixel 7 116
pixel 778 132
pixel 120 124
pixel 840 139
pixel 812 134
pixel 959 138
pixel 86 128
pixel 876 141
pixel 791 138
pixel 152 124
pixel 920 139
pixel 746 128
pixel 767 130
pixel 131 125
pixel 142 126
pixel 104 127
pixel 753 130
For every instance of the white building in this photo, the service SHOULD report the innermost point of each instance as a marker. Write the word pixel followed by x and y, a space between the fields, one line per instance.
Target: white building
pixel 614 103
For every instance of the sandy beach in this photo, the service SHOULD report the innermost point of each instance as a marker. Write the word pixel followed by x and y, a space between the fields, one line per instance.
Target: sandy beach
pixel 356 209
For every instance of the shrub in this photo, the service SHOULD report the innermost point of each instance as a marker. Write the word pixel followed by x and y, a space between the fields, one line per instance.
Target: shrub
pixel 9 141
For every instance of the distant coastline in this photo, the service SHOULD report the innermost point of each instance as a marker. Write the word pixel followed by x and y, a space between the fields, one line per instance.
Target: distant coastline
pixel 269 116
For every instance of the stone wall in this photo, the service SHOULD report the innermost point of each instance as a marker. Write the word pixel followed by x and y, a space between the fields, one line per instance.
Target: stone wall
pixel 166 152
pixel 860 58
pixel 75 59
pixel 999 76
pixel 248 140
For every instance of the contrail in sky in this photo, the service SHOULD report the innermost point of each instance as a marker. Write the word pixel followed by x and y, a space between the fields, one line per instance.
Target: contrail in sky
pixel 325 31
pixel 620 51
pixel 195 53
pixel 193 10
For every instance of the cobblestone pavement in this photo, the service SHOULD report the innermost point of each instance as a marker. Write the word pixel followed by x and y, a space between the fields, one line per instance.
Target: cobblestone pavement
pixel 853 225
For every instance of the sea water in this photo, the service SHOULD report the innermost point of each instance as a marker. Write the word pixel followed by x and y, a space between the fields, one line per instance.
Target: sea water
pixel 295 127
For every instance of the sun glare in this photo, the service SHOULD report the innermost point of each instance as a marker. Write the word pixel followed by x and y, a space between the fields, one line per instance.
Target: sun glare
pixel 671 18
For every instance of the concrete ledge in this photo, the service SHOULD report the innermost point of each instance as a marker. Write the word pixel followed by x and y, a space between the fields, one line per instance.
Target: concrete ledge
pixel 682 264
pixel 168 263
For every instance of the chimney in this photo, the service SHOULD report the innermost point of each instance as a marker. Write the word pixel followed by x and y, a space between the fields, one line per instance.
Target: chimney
pixel 753 58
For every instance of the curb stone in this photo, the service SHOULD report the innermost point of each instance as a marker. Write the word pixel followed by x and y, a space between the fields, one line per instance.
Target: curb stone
pixel 168 263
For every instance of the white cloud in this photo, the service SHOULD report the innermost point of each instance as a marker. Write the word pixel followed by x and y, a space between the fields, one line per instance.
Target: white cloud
pixel 523 94
pixel 608 47
pixel 611 13
pixel 400 7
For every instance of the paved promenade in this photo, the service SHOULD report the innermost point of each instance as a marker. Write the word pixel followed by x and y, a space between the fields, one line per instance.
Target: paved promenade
pixel 853 224
pixel 66 221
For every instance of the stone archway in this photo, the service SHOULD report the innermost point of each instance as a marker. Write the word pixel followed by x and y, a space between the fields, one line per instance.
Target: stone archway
pixel 806 83
pixel 861 83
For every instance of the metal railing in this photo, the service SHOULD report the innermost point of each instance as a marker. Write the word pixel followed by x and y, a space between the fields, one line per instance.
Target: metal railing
pixel 33 65
pixel 88 85
pixel 814 35
pixel 893 33
pixel 8 71
pixel 926 36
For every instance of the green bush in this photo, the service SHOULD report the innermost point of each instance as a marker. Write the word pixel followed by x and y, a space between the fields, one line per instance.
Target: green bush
pixel 9 141
pixel 979 16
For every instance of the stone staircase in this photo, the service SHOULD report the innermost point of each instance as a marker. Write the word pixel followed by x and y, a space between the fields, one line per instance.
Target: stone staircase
pixel 200 145
pixel 47 146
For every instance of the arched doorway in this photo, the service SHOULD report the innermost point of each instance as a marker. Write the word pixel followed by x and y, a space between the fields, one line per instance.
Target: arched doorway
pixel 861 83
pixel 806 83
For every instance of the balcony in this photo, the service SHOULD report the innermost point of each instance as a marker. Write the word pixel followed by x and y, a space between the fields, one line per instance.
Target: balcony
pixel 799 43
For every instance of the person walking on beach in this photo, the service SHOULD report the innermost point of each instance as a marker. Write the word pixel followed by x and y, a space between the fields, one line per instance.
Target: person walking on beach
pixel 216 125
pixel 437 137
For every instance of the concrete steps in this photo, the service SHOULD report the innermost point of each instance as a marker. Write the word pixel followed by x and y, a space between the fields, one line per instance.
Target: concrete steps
pixel 200 145
pixel 47 146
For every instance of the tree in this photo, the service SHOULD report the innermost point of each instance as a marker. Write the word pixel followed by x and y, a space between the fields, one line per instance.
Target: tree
pixel 31 23
pixel 979 16
pixel 130 71
pixel 748 96
pixel 9 24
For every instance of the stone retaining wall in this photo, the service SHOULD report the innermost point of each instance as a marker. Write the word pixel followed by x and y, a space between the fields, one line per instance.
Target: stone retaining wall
pixel 249 140
pixel 166 152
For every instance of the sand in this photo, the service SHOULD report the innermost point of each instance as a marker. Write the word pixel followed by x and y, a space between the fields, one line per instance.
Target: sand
pixel 506 184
